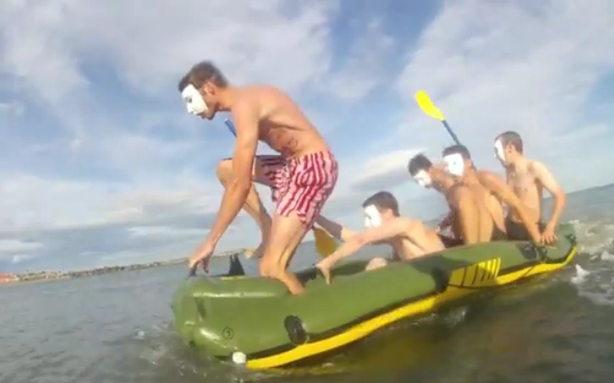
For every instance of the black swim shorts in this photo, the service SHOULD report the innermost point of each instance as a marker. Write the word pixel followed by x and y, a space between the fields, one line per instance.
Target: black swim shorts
pixel 516 231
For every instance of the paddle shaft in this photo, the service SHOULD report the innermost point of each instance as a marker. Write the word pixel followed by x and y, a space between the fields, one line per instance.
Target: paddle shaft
pixel 231 127
pixel 451 132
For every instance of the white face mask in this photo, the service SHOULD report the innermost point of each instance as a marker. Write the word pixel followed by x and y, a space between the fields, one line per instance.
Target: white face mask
pixel 423 179
pixel 499 153
pixel 455 164
pixel 194 101
pixel 372 216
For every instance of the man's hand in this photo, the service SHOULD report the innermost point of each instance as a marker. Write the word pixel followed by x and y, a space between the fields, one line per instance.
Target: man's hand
pixel 203 254
pixel 445 223
pixel 548 236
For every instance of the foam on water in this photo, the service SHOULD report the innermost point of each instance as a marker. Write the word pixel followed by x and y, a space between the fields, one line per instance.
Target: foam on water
pixel 594 267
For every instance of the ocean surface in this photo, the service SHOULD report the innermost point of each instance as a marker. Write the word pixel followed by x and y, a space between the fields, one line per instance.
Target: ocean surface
pixel 117 328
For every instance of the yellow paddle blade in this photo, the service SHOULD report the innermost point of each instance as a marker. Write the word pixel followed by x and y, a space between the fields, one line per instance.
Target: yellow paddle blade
pixel 427 105
pixel 325 244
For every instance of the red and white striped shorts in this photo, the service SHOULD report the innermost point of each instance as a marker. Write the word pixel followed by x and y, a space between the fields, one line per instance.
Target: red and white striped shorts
pixel 300 185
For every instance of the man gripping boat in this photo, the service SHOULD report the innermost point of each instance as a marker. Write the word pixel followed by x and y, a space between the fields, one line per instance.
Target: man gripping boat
pixel 301 177
pixel 528 178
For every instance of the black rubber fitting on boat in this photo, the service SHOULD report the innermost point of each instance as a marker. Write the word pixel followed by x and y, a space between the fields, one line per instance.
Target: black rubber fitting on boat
pixel 296 330
pixel 533 252
pixel 441 278
pixel 572 238
pixel 529 251
pixel 236 268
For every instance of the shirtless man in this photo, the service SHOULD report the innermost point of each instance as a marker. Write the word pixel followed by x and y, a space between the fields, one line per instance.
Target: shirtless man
pixel 527 178
pixel 384 225
pixel 302 177
pixel 471 221
pixel 489 188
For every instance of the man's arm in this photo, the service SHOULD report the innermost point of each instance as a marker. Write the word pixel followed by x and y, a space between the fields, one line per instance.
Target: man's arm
pixel 335 229
pixel 245 115
pixel 467 215
pixel 386 231
pixel 543 175
pixel 495 185
pixel 446 221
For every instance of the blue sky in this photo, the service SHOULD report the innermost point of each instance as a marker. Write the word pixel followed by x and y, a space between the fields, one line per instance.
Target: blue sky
pixel 102 165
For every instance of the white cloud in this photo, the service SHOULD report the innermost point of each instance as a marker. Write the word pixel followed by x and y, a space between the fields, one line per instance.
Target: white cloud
pixel 528 69
pixel 13 109
pixel 165 231
pixel 366 63
pixel 151 45
pixel 118 169
pixel 17 246
pixel 387 170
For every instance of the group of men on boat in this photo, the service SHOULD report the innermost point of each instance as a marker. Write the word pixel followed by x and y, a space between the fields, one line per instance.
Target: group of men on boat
pixel 304 174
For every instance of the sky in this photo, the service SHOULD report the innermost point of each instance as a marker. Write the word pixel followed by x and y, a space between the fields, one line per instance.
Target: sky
pixel 100 164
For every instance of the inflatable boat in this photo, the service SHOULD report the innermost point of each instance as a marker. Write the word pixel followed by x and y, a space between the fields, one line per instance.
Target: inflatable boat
pixel 255 321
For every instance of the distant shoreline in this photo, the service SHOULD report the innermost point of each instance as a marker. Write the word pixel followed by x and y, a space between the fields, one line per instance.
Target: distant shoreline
pixel 11 279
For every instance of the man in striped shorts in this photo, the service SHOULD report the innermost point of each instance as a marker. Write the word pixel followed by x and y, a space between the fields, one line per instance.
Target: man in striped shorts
pixel 302 176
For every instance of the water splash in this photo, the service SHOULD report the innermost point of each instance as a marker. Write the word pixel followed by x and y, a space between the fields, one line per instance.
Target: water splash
pixel 594 268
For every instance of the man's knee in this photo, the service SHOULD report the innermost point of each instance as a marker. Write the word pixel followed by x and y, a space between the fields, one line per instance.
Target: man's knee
pixel 376 263
pixel 224 170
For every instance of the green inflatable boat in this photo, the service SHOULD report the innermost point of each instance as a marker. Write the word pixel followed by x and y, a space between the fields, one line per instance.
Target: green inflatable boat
pixel 256 321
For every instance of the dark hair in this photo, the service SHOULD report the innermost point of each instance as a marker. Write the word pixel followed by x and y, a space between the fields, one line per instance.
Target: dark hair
pixel 383 200
pixel 457 149
pixel 202 72
pixel 511 138
pixel 417 163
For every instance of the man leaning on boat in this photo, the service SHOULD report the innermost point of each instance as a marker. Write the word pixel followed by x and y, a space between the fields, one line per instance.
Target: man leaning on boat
pixel 408 238
pixel 475 199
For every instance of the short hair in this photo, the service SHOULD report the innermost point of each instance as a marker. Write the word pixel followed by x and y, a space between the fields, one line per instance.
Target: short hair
pixel 417 163
pixel 383 200
pixel 202 72
pixel 457 149
pixel 511 138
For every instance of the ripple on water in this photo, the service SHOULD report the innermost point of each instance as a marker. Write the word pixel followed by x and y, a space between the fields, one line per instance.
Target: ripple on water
pixel 118 328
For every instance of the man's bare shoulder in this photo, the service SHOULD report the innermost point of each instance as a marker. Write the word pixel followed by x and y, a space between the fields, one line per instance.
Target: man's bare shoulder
pixel 459 192
pixel 408 222
pixel 404 226
pixel 536 167
pixel 262 91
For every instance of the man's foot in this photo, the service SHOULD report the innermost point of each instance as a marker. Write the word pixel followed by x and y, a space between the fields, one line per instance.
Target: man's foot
pixel 255 253
pixel 259 251
pixel 324 268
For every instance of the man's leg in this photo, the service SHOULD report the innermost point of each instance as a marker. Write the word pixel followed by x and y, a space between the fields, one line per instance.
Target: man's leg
pixel 286 234
pixel 516 231
pixel 264 172
pixel 307 188
pixel 376 263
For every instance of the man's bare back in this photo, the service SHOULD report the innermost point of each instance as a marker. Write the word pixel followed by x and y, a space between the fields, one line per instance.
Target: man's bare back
pixel 473 219
pixel 416 241
pixel 491 202
pixel 468 217
pixel 283 127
